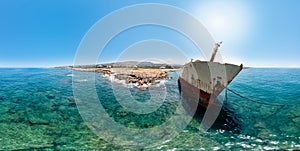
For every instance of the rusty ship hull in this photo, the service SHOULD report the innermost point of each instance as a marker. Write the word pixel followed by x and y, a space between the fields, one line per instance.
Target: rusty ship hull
pixel 200 82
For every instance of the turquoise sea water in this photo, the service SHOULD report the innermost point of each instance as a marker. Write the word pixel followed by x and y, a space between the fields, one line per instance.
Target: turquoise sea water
pixel 38 111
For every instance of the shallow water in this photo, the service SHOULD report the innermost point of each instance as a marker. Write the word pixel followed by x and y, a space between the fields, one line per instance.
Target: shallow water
pixel 38 111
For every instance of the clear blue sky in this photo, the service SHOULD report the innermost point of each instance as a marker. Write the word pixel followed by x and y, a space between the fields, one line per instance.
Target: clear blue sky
pixel 35 33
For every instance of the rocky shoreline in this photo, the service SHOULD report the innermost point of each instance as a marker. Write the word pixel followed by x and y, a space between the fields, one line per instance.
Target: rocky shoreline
pixel 141 78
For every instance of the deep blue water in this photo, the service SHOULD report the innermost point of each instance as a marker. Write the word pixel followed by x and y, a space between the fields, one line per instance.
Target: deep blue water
pixel 38 111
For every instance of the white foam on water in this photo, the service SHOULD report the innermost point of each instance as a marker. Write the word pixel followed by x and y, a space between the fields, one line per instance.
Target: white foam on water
pixel 105 75
pixel 112 79
pixel 229 144
pixel 246 145
pixel 274 142
pixel 70 75
pixel 271 148
pixel 160 147
pixel 81 80
pixel 173 149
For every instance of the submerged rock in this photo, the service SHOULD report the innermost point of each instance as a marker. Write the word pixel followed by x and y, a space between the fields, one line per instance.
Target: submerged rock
pixel 297 120
pixel 36 120
pixel 20 136
pixel 143 87
pixel 50 96
pixel 71 99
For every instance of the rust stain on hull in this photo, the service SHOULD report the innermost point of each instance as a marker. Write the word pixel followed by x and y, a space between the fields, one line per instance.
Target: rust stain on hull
pixel 200 82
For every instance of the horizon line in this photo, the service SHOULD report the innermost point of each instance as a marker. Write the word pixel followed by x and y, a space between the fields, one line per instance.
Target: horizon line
pixel 245 67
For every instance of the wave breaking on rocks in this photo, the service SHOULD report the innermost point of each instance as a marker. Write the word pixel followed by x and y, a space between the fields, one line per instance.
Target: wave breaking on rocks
pixel 138 77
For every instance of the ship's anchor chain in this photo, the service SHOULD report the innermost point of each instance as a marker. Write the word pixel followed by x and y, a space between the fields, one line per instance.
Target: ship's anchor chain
pixel 252 100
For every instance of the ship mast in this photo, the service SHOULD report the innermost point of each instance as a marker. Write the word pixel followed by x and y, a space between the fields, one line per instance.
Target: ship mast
pixel 217 45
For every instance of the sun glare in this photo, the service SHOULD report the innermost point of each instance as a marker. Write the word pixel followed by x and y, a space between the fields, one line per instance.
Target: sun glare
pixel 226 21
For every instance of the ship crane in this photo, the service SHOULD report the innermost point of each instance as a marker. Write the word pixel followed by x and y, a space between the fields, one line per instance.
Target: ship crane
pixel 217 46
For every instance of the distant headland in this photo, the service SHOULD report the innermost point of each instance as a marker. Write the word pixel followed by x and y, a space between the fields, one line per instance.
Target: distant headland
pixel 140 74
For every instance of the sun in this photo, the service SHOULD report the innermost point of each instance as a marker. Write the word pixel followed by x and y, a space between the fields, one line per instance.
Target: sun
pixel 225 20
